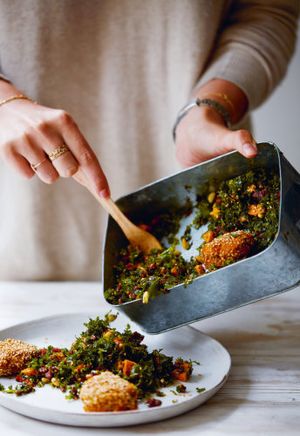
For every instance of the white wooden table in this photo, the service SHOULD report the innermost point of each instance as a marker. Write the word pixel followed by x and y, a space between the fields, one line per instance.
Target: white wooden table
pixel 261 397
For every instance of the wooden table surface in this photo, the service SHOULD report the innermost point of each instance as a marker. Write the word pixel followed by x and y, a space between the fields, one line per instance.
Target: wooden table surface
pixel 261 397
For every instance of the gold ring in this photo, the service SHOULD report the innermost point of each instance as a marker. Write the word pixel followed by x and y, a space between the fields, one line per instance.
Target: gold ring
pixel 58 152
pixel 35 166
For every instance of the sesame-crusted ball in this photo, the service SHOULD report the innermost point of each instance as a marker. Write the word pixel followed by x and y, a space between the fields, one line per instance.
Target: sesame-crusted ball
pixel 225 249
pixel 108 392
pixel 14 354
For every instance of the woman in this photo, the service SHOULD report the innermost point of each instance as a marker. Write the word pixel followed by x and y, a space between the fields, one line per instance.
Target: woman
pixel 122 69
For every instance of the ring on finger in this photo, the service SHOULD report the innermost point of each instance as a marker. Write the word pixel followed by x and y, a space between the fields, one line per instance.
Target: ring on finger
pixel 59 151
pixel 35 166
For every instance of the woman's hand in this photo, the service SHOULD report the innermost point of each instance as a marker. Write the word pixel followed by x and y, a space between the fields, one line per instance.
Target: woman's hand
pixel 202 133
pixel 30 132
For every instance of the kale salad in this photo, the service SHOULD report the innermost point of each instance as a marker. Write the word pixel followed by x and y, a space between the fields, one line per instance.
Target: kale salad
pixel 241 218
pixel 99 348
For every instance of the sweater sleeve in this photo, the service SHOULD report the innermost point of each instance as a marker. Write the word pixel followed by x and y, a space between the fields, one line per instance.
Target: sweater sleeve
pixel 254 47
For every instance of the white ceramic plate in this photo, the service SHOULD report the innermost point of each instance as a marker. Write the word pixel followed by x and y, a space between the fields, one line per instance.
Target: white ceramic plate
pixel 49 404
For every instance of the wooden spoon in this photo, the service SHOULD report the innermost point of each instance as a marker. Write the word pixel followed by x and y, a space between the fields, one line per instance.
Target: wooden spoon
pixel 136 236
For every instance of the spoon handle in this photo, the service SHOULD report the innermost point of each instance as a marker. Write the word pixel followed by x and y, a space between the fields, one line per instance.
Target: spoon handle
pixel 109 205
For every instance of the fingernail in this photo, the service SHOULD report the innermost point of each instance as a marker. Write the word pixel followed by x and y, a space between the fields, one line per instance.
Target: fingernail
pixel 249 149
pixel 104 193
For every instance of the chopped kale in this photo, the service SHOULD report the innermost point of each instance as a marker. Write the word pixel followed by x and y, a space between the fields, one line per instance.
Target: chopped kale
pixel 98 348
pixel 249 202
pixel 200 390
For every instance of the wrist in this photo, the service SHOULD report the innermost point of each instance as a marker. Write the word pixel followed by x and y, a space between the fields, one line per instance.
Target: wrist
pixel 227 94
pixel 209 114
pixel 10 96
pixel 205 108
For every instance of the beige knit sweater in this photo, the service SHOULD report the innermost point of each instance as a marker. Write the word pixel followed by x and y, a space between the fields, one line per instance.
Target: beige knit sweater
pixel 122 68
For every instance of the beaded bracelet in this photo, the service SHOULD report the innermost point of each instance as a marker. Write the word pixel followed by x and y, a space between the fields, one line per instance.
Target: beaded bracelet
pixel 221 96
pixel 202 102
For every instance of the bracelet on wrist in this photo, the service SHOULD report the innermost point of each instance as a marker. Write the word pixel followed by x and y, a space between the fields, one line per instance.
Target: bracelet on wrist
pixel 218 107
pixel 14 97
pixel 221 96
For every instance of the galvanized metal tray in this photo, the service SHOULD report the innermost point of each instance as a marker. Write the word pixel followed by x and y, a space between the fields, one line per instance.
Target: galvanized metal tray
pixel 274 270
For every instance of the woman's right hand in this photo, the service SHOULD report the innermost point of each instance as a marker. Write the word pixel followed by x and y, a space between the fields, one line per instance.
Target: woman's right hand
pixel 29 132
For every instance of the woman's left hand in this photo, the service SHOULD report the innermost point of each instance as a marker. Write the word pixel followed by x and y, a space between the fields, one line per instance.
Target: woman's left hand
pixel 202 135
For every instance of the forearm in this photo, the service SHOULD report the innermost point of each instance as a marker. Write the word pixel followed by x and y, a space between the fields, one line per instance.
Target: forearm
pixel 226 93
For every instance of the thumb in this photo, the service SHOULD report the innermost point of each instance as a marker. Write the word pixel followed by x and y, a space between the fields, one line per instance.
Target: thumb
pixel 242 141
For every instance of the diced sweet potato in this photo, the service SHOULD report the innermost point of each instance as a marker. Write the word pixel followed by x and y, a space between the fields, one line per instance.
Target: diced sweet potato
pixel 127 366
